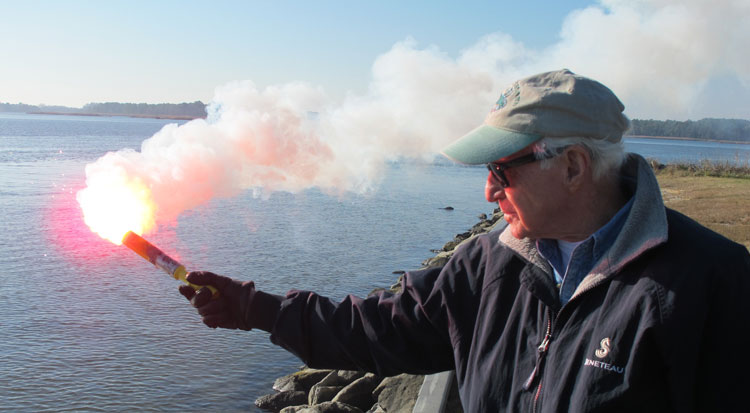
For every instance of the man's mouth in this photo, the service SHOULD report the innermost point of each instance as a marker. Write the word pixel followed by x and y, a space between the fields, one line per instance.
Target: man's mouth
pixel 506 211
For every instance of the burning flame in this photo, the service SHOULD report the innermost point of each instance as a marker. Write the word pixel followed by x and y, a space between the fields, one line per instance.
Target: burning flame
pixel 115 205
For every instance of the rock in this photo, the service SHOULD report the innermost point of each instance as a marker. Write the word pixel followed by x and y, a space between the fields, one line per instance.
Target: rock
pixel 359 392
pixel 398 394
pixel 436 261
pixel 327 407
pixel 341 377
pixel 330 385
pixel 399 272
pixel 448 208
pixel 377 291
pixel 302 380
pixel 277 401
pixel 462 236
pixel 496 217
pixel 450 245
pixel 294 409
pixel 482 216
pixel 376 409
pixel 655 164
pixel 480 228
pixel 319 394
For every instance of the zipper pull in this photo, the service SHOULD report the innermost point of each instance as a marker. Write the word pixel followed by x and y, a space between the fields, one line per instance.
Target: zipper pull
pixel 544 346
pixel 541 352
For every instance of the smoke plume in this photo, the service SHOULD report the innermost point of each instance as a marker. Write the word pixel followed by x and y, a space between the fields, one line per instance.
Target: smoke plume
pixel 663 58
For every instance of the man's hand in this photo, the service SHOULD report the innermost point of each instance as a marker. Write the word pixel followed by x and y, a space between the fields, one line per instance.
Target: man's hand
pixel 231 309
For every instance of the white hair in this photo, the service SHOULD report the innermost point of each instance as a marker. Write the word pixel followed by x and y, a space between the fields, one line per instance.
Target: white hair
pixel 606 157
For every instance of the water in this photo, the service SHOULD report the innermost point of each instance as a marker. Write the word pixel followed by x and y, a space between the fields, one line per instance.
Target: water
pixel 678 150
pixel 86 325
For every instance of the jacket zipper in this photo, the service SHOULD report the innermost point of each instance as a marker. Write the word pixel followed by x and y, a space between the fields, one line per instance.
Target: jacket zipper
pixel 541 353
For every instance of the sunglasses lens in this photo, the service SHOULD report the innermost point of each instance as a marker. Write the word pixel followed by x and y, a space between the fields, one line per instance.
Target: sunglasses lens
pixel 498 174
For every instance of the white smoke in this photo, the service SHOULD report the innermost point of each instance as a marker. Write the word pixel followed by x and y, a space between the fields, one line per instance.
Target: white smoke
pixel 665 59
pixel 661 57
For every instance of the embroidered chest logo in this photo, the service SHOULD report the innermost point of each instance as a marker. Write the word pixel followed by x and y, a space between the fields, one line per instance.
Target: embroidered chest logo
pixel 602 351
pixel 605 346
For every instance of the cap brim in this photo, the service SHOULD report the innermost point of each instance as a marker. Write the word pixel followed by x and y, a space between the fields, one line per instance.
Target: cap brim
pixel 486 144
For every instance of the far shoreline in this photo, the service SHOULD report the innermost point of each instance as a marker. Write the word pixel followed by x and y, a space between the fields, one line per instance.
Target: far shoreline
pixel 131 115
pixel 685 139
pixel 182 117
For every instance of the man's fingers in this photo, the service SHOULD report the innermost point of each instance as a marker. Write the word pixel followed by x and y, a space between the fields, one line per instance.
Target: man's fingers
pixel 187 291
pixel 215 314
pixel 212 307
pixel 201 298
pixel 225 310
pixel 208 278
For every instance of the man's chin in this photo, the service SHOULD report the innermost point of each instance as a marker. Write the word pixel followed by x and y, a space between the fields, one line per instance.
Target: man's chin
pixel 515 228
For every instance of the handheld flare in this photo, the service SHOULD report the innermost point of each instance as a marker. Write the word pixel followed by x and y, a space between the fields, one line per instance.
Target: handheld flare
pixel 161 260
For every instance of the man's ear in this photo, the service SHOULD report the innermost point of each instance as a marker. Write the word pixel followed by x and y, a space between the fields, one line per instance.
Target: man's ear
pixel 578 165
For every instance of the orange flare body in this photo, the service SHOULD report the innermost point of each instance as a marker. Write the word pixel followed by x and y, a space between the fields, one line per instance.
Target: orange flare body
pixel 161 260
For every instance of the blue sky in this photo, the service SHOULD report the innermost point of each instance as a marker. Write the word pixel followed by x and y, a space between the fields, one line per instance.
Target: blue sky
pixel 74 52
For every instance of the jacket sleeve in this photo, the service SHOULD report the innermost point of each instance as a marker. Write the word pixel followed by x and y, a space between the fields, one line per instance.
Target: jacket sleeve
pixel 707 322
pixel 723 364
pixel 408 332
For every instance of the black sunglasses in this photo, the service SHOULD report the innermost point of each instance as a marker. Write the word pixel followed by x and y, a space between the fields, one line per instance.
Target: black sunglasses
pixel 498 168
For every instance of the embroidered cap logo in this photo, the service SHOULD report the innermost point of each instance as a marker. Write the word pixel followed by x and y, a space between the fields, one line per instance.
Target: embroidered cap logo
pixel 513 91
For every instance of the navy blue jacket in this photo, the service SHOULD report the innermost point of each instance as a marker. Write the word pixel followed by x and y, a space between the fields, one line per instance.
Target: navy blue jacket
pixel 660 323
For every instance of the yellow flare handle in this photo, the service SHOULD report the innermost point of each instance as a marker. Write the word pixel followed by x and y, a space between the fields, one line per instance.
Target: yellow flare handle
pixel 181 273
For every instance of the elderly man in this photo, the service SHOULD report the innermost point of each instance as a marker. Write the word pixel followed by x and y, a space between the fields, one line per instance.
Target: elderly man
pixel 593 297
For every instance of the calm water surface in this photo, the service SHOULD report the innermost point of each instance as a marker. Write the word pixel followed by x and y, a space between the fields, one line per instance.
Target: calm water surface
pixel 86 325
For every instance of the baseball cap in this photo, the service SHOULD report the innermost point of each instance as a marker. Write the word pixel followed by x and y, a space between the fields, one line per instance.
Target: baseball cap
pixel 550 104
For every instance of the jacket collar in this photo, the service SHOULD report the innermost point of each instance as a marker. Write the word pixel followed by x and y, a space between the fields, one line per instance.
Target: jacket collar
pixel 644 228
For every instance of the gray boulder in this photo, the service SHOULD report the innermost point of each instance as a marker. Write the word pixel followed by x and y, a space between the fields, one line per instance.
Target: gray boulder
pixel 376 408
pixel 319 394
pixel 359 392
pixel 302 380
pixel 277 401
pixel 327 407
pixel 331 384
pixel 398 394
pixel 340 377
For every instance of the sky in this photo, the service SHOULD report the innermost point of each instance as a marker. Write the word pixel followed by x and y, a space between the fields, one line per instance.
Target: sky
pixel 666 59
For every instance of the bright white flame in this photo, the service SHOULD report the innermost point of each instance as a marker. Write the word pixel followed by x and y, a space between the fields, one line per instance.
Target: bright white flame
pixel 114 204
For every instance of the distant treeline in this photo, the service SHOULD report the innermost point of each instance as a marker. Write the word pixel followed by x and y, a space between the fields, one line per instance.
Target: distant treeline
pixel 195 109
pixel 709 128
pixel 22 107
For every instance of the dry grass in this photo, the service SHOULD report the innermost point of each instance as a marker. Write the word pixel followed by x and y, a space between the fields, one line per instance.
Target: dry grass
pixel 703 168
pixel 719 203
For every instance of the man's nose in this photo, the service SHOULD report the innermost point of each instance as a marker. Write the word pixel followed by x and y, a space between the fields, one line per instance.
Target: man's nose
pixel 493 191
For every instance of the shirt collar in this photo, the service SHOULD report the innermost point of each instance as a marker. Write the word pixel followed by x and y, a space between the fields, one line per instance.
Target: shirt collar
pixel 606 235
pixel 602 240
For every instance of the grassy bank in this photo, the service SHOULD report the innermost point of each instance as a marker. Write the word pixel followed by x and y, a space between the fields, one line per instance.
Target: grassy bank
pixel 716 195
